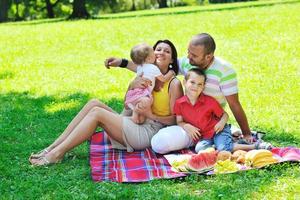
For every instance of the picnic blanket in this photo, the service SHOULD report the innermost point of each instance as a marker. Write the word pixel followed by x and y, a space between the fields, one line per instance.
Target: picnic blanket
pixel 108 164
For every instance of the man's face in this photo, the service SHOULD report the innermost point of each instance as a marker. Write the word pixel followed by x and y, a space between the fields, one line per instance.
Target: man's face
pixel 198 57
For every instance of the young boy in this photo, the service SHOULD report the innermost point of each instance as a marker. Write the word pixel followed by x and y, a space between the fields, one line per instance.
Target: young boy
pixel 203 119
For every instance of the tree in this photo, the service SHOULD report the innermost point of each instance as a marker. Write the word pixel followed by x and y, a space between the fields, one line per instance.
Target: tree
pixel 133 8
pixel 162 3
pixel 49 7
pixel 4 6
pixel 17 15
pixel 79 10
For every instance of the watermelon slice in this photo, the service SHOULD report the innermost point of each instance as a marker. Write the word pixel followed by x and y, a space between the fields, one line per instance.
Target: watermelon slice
pixel 202 162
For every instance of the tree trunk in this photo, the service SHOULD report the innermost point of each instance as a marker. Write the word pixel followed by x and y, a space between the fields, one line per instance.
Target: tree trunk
pixel 26 9
pixel 133 8
pixel 162 3
pixel 4 6
pixel 18 17
pixel 49 8
pixel 79 10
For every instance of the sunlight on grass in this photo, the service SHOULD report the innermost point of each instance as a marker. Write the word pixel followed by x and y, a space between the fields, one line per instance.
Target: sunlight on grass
pixel 55 107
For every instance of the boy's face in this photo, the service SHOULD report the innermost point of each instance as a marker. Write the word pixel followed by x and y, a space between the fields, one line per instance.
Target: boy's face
pixel 194 85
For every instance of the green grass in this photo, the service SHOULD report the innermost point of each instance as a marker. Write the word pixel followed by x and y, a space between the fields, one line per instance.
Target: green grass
pixel 48 71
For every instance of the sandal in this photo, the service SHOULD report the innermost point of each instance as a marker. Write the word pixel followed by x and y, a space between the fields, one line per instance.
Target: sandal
pixel 263 145
pixel 39 154
pixel 43 161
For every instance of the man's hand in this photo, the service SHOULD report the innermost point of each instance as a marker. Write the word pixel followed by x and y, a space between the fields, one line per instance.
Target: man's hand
pixel 219 127
pixel 140 82
pixel 112 62
pixel 192 130
pixel 248 138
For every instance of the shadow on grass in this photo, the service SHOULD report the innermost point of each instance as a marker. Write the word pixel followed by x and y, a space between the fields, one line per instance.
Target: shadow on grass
pixel 35 22
pixel 28 123
pixel 280 138
pixel 242 185
pixel 6 75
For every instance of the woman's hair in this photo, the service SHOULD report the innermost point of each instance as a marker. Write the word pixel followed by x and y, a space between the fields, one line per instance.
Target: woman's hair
pixel 175 67
pixel 139 53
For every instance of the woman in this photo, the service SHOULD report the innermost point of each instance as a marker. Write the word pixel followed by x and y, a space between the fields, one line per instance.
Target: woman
pixel 123 133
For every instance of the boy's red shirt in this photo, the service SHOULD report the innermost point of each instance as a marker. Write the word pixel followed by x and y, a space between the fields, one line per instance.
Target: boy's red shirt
pixel 205 114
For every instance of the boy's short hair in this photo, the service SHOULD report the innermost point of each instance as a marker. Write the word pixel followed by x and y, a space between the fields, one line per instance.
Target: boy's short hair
pixel 197 71
pixel 139 53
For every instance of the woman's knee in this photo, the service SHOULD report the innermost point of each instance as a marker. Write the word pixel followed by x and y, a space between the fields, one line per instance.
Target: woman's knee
pixel 159 143
pixel 96 113
pixel 171 138
pixel 94 103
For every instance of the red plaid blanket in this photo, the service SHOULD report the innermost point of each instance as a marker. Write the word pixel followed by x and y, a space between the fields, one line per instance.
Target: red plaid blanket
pixel 108 164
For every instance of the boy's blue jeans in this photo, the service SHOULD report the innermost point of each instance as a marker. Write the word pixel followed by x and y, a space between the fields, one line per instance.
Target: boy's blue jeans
pixel 223 141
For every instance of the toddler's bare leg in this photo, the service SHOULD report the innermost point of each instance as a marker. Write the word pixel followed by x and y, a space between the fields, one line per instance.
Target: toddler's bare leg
pixel 144 103
pixel 135 117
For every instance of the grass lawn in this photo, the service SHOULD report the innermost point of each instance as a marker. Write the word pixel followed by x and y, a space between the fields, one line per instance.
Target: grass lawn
pixel 50 69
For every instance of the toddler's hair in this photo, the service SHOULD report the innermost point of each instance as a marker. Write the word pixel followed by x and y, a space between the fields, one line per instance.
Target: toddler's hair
pixel 196 71
pixel 140 52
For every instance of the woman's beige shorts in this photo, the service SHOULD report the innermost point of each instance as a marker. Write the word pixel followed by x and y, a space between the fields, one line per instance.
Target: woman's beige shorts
pixel 136 136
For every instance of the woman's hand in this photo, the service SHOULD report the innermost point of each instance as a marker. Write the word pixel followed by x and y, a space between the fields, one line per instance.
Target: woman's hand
pixel 140 82
pixel 112 62
pixel 192 130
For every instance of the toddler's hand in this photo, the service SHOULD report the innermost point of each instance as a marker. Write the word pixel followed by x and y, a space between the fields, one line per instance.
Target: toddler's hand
pixel 140 82
pixel 193 131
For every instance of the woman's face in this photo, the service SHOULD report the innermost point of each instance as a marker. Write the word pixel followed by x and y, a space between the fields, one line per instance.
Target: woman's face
pixel 163 55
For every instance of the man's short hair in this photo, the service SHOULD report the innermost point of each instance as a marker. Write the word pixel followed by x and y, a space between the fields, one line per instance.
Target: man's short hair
pixel 204 39
pixel 139 53
pixel 196 71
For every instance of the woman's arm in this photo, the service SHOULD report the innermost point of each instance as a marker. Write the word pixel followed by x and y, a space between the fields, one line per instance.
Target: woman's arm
pixel 116 62
pixel 175 92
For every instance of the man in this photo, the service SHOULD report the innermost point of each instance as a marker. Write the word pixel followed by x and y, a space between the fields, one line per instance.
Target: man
pixel 221 78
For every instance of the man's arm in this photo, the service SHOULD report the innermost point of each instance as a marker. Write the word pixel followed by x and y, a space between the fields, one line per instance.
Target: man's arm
pixel 239 114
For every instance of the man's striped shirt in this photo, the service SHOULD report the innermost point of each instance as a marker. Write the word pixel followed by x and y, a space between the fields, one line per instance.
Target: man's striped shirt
pixel 221 78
